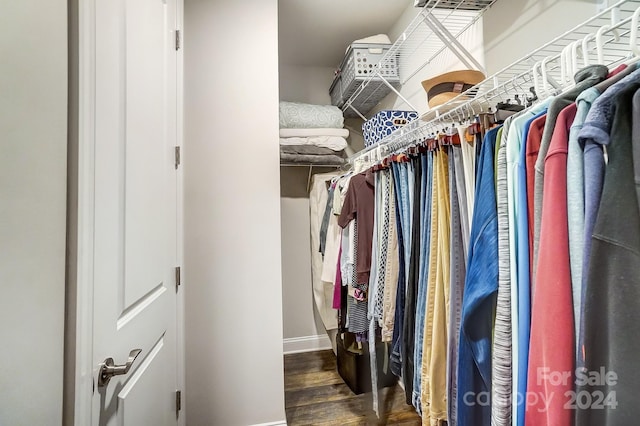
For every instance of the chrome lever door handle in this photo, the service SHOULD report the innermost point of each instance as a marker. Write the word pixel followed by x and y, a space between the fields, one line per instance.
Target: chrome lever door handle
pixel 108 369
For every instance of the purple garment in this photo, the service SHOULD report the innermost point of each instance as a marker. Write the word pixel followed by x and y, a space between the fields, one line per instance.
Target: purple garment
pixel 594 135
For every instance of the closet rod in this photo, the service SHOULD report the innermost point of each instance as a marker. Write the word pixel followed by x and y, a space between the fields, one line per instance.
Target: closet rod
pixel 518 74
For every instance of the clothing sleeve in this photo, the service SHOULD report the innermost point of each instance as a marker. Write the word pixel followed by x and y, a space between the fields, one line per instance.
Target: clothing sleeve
pixel 348 212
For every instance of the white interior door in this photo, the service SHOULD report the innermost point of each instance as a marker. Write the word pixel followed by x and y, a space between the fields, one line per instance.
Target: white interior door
pixel 135 210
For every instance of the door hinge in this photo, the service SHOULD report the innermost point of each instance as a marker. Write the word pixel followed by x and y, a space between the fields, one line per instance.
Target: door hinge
pixel 178 401
pixel 177 157
pixel 178 281
pixel 178 40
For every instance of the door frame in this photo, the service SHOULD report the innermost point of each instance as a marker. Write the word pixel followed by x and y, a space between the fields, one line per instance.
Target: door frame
pixel 79 369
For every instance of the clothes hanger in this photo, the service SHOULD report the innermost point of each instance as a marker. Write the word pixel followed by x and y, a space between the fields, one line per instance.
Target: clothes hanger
pixel 574 56
pixel 600 41
pixel 551 85
pixel 536 80
pixel 566 65
pixel 585 49
pixel 633 38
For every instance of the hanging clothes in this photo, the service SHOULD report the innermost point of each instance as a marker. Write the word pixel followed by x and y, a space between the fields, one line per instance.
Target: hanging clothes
pixel 487 323
pixel 322 290
pixel 481 285
pixel 613 277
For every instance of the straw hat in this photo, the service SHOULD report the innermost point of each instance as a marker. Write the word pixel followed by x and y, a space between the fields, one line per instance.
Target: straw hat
pixel 444 87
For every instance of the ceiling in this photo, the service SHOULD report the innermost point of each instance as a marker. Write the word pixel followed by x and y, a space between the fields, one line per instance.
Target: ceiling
pixel 317 32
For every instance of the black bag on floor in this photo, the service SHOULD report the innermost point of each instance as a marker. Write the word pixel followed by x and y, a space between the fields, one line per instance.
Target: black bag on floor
pixel 354 368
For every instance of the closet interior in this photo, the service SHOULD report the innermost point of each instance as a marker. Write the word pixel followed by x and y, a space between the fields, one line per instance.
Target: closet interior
pixel 472 201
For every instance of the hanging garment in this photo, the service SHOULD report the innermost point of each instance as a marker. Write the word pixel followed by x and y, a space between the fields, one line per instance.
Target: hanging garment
pixel 325 218
pixel 427 343
pixel 501 379
pixel 438 355
pixel 552 328
pixel 594 135
pixel 464 156
pixel 523 309
pixel 395 359
pixel 575 192
pixel 391 269
pixel 383 192
pixel 584 78
pixel 373 291
pixel 359 203
pixel 613 278
pixel 519 280
pixel 458 273
pixel 358 207
pixel 322 290
pixel 481 284
pixel 334 231
pixel 575 200
pixel 425 219
pixel 533 147
pixel 412 284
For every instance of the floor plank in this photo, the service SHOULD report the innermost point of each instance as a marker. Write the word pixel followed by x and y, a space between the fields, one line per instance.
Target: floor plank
pixel 315 394
pixel 309 361
pixel 309 380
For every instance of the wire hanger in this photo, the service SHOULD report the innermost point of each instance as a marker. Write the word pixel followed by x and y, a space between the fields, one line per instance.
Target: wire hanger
pixel 585 49
pixel 633 37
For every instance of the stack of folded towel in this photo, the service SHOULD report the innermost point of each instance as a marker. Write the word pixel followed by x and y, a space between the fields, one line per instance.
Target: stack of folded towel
pixel 312 134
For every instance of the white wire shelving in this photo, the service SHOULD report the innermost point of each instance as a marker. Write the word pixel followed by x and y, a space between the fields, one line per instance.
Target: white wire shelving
pixel 436 29
pixel 603 39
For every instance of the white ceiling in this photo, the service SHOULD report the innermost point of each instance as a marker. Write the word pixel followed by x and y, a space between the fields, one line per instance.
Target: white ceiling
pixel 317 32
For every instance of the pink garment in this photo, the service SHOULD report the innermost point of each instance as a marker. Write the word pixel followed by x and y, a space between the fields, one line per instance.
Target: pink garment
pixel 337 285
pixel 551 349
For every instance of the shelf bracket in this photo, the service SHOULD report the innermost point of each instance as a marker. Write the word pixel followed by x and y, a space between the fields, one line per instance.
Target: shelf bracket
pixel 405 100
pixel 356 111
pixel 449 40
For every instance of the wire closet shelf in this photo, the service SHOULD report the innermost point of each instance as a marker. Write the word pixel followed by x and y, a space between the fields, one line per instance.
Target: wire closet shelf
pixel 435 29
pixel 604 39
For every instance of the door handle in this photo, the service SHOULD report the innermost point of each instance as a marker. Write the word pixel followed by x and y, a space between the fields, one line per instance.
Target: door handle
pixel 108 369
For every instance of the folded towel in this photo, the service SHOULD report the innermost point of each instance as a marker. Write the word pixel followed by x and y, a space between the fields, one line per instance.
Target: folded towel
pixel 294 115
pixel 335 143
pixel 308 150
pixel 333 160
pixel 374 39
pixel 303 133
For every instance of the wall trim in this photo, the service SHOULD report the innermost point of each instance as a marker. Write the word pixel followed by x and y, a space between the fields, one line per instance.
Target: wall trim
pixel 296 345
pixel 279 423
pixel 81 248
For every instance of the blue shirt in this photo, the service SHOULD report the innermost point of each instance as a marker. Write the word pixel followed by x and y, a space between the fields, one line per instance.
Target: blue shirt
pixel 575 203
pixel 524 284
pixel 479 301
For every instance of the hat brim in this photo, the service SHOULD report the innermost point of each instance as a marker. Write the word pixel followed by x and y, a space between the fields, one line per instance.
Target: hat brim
pixel 471 77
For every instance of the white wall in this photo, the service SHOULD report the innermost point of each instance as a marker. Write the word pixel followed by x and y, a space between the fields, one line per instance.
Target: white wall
pixel 233 287
pixel 514 28
pixel 305 84
pixel 33 147
pixel 299 318
pixel 309 85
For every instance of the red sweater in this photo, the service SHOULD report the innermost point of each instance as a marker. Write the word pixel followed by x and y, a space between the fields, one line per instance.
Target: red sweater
pixel 534 139
pixel 551 349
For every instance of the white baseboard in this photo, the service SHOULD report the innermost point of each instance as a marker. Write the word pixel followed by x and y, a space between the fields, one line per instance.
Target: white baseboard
pixel 280 423
pixel 296 345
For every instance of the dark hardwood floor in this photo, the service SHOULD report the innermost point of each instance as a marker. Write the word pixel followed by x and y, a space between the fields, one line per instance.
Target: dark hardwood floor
pixel 316 395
